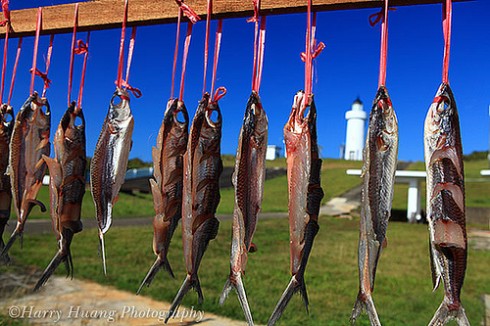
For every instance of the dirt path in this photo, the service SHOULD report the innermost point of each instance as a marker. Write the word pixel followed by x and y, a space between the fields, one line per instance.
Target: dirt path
pixel 76 302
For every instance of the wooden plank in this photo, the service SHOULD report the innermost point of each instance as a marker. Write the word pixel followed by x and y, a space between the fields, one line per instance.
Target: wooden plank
pixel 107 14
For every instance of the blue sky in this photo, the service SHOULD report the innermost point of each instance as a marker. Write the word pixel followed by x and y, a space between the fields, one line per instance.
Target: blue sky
pixel 346 69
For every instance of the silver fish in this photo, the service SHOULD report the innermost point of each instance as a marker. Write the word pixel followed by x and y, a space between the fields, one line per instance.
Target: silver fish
pixel 29 142
pixel 248 179
pixel 168 171
pixel 380 160
pixel 110 161
pixel 446 204
pixel 305 195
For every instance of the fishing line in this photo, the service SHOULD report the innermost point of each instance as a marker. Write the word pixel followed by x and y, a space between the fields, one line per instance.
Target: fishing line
pixel 447 14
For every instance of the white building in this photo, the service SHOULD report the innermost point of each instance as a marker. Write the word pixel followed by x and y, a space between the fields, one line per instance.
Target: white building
pixel 354 138
pixel 273 152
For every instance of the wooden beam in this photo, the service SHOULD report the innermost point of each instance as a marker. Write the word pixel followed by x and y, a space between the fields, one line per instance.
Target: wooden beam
pixel 107 14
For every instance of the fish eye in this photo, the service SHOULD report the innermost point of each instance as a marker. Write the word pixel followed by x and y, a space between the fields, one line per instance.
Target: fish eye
pixel 78 122
pixel 213 116
pixel 180 117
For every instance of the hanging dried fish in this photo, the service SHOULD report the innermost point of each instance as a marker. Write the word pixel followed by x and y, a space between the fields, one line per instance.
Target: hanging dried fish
pixel 168 183
pixel 110 161
pixel 201 196
pixel 248 180
pixel 6 127
pixel 29 142
pixel 380 160
pixel 305 194
pixel 446 204
pixel 67 187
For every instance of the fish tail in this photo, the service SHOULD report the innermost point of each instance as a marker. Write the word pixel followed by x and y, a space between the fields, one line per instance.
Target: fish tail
pixel 4 258
pixel 191 281
pixel 157 265
pixel 16 234
pixel 62 256
pixel 102 251
pixel 235 281
pixel 297 284
pixel 365 301
pixel 446 313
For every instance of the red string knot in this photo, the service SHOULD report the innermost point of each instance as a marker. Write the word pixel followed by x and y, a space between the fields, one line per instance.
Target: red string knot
pixel 6 13
pixel 136 92
pixel 188 11
pixel 43 75
pixel 255 17
pixel 219 94
pixel 375 18
pixel 315 53
pixel 81 47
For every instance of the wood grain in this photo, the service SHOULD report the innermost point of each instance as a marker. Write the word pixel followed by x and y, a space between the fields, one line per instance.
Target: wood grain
pixel 107 14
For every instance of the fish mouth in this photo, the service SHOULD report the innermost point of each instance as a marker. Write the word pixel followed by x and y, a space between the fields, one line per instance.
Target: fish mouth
pixel 180 115
pixel 214 122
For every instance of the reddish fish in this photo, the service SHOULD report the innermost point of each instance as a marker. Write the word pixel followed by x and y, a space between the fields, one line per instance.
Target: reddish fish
pixel 6 126
pixel 110 161
pixel 29 142
pixel 380 159
pixel 305 194
pixel 168 183
pixel 201 196
pixel 248 180
pixel 67 187
pixel 446 204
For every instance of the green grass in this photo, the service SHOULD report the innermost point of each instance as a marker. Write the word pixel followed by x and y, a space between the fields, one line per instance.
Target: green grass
pixel 403 293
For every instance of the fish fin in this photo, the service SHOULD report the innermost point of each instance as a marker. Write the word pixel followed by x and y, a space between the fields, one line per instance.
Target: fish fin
pixel 63 255
pixel 385 243
pixel 295 285
pixel 5 259
pixel 157 265
pixel 253 248
pixel 102 251
pixel 157 196
pixel 436 275
pixel 445 314
pixel 235 281
pixel 35 202
pixel 365 301
pixel 43 143
pixel 115 200
pixel 189 283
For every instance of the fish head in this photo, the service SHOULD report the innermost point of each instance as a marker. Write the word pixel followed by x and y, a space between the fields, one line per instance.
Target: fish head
pixel 255 116
pixel 297 122
pixel 180 116
pixel 6 119
pixel 441 121
pixel 119 110
pixel 72 125
pixel 213 118
pixel 37 115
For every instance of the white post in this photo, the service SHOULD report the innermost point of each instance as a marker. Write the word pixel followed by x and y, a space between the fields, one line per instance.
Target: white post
pixel 413 205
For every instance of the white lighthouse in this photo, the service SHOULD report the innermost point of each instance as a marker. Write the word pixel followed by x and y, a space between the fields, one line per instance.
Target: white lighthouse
pixel 354 138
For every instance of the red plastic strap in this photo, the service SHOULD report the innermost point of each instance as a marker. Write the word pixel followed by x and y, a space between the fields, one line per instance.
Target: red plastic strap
pixel 176 54
pixel 36 44
pixel 44 76
pixel 259 48
pixel 184 59
pixel 219 93
pixel 6 14
pixel 130 56
pixel 14 71
pixel 72 53
pixel 4 64
pixel 82 48
pixel 447 13
pixel 384 47
pixel 312 51
pixel 188 12
pixel 206 44
pixel 217 47
pixel 119 80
